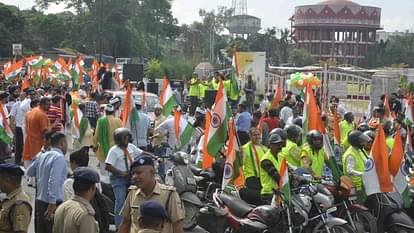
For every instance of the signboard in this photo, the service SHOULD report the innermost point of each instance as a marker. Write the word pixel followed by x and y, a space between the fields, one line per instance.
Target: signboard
pixel 254 64
pixel 17 49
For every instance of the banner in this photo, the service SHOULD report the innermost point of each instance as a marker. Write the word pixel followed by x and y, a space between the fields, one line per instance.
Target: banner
pixel 254 64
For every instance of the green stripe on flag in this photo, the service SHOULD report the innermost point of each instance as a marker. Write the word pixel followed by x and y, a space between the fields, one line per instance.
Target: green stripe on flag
pixel 185 137
pixel 169 106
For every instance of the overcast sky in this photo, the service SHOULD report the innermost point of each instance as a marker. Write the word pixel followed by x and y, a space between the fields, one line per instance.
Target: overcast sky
pixel 396 14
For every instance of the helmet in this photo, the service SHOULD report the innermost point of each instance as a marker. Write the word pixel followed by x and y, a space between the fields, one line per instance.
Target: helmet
pixel 120 133
pixel 297 121
pixel 363 127
pixel 275 139
pixel 265 214
pixel 349 116
pixel 279 131
pixel 314 136
pixel 292 132
pixel 357 138
pixel 387 128
pixel 370 134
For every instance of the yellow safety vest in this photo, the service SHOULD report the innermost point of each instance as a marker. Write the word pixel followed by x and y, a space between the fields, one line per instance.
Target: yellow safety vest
pixel 360 159
pixel 291 152
pixel 251 163
pixel 317 159
pixel 268 184
pixel 345 128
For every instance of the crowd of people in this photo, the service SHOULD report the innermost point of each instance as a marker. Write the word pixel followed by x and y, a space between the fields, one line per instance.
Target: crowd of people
pixel 44 122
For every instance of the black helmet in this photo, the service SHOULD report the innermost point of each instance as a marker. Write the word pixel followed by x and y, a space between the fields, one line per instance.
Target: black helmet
pixel 349 116
pixel 120 133
pixel 363 127
pixel 297 121
pixel 314 136
pixel 275 139
pixel 356 138
pixel 281 132
pixel 292 132
pixel 387 127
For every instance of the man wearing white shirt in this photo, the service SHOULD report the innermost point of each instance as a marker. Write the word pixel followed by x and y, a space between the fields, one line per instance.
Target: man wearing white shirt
pixel 118 162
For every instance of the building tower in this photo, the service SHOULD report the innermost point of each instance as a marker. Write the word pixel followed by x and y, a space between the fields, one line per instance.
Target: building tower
pixel 240 23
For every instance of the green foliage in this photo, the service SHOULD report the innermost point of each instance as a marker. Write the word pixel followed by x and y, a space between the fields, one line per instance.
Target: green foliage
pixel 153 69
pixel 177 68
pixel 301 57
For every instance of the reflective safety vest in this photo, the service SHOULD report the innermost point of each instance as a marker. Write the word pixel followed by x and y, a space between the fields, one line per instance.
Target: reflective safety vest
pixel 268 184
pixel 252 156
pixel 345 127
pixel 291 152
pixel 360 160
pixel 390 143
pixel 317 159
pixel 203 86
pixel 194 88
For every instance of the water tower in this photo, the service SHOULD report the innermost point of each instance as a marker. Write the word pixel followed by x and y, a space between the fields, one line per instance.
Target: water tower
pixel 240 23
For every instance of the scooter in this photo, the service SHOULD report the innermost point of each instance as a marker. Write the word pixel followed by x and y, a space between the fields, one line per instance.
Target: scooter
pixel 181 177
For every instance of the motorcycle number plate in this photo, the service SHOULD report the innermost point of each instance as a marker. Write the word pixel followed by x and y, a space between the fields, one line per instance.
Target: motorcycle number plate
pixel 330 210
pixel 191 180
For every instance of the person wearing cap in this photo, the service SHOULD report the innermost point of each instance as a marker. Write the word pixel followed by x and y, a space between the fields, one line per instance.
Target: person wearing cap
pixel 158 140
pixel 270 165
pixel 147 188
pixel 103 138
pixel 6 136
pixel 153 217
pixel 15 210
pixel 50 170
pixel 77 215
pixel 141 129
pixel 118 162
pixel 116 102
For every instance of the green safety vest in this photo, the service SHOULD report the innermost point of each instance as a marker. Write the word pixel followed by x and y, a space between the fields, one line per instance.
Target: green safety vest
pixel 317 159
pixel 291 152
pixel 345 128
pixel 360 159
pixel 268 184
pixel 194 88
pixel 214 84
pixel 390 142
pixel 250 163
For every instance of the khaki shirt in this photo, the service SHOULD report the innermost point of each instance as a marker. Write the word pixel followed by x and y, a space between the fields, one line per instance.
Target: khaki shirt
pixel 135 198
pixel 148 231
pixel 21 212
pixel 75 216
pixel 158 140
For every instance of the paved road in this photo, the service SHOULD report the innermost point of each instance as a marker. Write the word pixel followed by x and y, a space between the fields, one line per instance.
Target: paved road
pixel 92 163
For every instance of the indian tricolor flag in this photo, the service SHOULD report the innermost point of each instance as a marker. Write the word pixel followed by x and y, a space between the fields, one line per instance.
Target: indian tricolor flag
pixel 77 116
pixel 35 61
pixel 14 70
pixel 233 169
pixel 377 177
pixel 167 98
pixel 278 95
pixel 398 168
pixel 409 109
pixel 284 185
pixel 183 129
pixel 217 132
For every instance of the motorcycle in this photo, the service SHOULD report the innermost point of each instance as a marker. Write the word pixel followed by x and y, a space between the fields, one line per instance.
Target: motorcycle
pixel 207 181
pixel 181 177
pixel 388 209
pixel 358 216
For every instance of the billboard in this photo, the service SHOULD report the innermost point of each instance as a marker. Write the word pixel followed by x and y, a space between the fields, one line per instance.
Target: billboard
pixel 254 64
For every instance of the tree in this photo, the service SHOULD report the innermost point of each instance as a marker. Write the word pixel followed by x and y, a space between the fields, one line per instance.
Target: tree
pixel 301 57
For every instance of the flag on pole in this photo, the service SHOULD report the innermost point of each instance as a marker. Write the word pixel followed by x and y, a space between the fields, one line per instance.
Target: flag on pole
pixel 77 116
pixel 409 109
pixel 336 128
pixel 311 114
pixel 233 171
pixel 278 95
pixel 130 115
pixel 217 132
pixel 35 61
pixel 207 158
pixel 284 185
pixel 387 114
pixel 183 130
pixel 234 90
pixel 167 98
pixel 398 168
pixel 331 163
pixel 377 177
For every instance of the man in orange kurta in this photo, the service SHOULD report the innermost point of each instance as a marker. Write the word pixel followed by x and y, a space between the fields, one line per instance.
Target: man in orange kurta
pixel 37 124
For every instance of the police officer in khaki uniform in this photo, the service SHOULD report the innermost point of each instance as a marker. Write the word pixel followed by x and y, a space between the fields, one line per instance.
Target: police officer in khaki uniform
pixel 153 216
pixel 147 188
pixel 15 210
pixel 77 215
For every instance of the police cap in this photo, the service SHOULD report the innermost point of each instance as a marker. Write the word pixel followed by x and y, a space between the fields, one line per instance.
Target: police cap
pixel 86 174
pixel 153 209
pixel 11 169
pixel 142 161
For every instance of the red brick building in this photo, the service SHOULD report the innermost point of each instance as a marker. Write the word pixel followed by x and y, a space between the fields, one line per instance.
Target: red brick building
pixel 336 29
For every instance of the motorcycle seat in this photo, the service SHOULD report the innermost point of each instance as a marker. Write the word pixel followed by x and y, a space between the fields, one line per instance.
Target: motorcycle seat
pixel 237 206
pixel 208 174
